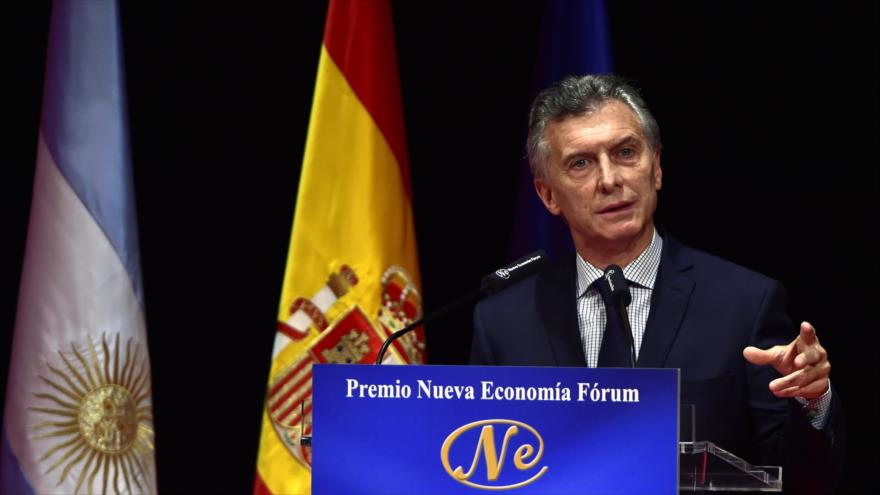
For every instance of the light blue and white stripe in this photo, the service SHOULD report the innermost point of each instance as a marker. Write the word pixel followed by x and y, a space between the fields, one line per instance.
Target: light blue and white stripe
pixel 81 277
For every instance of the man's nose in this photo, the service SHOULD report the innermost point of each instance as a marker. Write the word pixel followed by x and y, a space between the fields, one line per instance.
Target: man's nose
pixel 609 176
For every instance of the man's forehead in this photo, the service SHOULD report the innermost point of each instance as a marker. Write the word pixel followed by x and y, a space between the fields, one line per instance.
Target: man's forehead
pixel 611 111
pixel 610 124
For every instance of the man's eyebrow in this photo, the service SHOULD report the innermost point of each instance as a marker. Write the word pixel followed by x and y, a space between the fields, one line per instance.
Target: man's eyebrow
pixel 629 138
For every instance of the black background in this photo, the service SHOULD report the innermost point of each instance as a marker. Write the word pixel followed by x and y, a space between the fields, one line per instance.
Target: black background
pixel 769 122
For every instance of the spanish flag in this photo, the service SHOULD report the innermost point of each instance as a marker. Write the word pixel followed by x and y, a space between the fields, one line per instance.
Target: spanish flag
pixel 352 274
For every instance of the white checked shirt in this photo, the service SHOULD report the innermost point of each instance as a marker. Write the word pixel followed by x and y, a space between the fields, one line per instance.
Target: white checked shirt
pixel 641 274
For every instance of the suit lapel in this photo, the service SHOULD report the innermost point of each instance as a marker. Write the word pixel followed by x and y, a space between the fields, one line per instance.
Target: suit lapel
pixel 557 308
pixel 672 292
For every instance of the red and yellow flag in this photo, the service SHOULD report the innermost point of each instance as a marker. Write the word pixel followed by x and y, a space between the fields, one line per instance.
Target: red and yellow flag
pixel 352 273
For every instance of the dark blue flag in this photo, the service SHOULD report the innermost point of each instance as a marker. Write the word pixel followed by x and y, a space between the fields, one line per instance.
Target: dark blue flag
pixel 574 40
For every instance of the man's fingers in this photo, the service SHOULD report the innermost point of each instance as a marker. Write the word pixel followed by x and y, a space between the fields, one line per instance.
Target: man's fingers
pixel 786 362
pixel 788 393
pixel 808 334
pixel 803 377
pixel 804 363
pixel 811 391
pixel 809 357
pixel 795 379
pixel 757 356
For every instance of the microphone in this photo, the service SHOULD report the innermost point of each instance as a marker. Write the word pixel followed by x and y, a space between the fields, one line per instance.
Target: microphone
pixel 496 281
pixel 514 272
pixel 620 299
pixel 617 283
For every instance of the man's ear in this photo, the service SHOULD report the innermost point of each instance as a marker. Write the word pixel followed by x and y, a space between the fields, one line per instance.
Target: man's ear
pixel 545 192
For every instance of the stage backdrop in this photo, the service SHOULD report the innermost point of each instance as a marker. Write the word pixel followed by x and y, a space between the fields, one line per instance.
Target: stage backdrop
pixel 768 120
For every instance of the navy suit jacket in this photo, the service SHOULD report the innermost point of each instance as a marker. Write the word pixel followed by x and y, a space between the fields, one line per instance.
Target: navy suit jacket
pixel 704 311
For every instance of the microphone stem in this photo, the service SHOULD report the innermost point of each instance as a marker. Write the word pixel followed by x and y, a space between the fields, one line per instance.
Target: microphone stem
pixel 628 334
pixel 473 296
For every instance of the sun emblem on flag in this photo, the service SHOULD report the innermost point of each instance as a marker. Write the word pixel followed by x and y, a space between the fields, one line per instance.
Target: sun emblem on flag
pixel 97 416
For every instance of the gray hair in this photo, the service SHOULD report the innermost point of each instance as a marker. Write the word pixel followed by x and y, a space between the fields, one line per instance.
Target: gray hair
pixel 581 95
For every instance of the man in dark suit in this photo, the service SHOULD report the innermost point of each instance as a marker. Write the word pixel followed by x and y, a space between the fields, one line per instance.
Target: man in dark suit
pixel 761 390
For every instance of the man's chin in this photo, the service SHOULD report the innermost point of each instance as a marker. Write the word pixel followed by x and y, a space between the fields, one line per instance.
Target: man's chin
pixel 623 235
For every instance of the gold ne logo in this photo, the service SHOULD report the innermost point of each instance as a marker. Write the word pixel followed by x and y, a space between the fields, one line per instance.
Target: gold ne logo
pixel 494 459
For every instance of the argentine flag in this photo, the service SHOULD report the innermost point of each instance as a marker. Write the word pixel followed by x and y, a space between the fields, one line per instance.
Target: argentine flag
pixel 78 411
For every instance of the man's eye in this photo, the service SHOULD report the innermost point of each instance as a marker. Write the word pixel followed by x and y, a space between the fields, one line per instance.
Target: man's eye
pixel 582 163
pixel 627 152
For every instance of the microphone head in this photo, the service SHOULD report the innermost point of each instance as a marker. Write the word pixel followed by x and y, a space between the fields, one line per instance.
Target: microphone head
pixel 514 272
pixel 618 285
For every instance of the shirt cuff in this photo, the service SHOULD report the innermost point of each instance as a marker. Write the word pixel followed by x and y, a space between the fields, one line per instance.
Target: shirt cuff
pixel 817 409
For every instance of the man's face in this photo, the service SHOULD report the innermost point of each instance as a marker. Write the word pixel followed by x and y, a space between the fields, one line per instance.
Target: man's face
pixel 602 178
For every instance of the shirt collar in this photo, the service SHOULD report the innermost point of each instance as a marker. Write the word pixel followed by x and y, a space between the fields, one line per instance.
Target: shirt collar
pixel 641 271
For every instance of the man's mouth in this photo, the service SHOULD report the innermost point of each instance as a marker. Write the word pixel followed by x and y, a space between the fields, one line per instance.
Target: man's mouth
pixel 617 207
